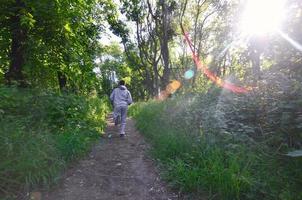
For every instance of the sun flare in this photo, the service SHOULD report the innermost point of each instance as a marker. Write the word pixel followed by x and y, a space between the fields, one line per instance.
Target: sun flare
pixel 262 17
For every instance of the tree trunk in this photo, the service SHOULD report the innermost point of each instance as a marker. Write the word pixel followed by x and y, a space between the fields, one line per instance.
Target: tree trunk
pixel 19 34
pixel 164 45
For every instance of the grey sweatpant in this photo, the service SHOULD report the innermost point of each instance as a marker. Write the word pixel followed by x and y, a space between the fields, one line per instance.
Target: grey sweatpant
pixel 121 111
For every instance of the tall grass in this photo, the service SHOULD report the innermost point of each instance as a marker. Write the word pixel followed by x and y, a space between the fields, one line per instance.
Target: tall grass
pixel 199 162
pixel 40 133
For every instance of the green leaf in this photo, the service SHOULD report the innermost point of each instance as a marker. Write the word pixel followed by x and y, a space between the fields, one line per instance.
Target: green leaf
pixel 67 28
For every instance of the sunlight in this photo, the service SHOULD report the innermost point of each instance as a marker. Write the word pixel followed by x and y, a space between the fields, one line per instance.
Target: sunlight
pixel 294 43
pixel 97 61
pixel 262 17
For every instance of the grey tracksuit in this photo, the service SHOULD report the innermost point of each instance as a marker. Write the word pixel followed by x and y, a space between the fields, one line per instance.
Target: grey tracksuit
pixel 121 98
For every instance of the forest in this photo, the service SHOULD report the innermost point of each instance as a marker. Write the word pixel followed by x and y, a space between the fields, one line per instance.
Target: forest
pixel 217 86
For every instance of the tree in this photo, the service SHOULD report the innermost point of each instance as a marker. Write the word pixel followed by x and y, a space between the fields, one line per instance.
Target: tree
pixel 19 20
pixel 52 44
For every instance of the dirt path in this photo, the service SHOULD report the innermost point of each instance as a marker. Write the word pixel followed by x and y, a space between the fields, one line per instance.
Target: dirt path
pixel 117 168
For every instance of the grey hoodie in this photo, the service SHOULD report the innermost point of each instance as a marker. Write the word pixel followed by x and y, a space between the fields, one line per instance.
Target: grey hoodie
pixel 121 96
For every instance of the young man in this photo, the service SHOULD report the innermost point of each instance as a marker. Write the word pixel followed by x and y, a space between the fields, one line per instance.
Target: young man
pixel 121 98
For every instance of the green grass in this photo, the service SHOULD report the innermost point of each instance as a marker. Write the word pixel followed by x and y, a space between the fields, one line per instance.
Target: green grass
pixel 193 161
pixel 40 133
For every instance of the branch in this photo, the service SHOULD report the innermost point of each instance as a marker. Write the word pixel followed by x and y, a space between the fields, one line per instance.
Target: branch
pixel 150 10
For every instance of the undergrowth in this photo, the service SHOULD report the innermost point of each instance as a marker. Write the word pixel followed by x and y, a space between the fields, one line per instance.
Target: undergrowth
pixel 40 132
pixel 197 155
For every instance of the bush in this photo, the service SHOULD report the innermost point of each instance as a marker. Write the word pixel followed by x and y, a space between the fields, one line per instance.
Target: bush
pixel 41 132
pixel 189 162
pixel 209 142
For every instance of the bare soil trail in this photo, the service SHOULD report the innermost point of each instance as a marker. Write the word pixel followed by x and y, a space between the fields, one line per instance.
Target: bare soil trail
pixel 116 169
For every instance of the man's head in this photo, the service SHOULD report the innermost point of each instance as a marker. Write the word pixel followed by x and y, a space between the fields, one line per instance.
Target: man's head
pixel 122 82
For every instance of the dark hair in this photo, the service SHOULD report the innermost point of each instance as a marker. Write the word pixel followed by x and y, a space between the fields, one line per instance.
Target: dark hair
pixel 122 82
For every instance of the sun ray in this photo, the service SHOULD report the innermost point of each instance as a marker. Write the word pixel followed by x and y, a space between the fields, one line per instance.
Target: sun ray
pixel 295 44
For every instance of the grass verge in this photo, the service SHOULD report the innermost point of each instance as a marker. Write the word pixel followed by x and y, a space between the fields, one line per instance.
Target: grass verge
pixel 194 162
pixel 40 133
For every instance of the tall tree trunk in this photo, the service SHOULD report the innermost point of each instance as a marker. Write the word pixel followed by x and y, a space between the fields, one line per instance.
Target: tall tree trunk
pixel 19 35
pixel 155 61
pixel 156 80
pixel 164 44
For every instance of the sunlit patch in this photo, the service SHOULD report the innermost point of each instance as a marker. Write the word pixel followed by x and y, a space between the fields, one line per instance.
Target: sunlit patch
pixel 209 59
pixel 97 61
pixel 189 74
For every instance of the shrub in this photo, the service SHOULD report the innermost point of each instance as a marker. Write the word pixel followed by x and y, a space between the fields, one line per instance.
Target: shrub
pixel 211 142
pixel 41 132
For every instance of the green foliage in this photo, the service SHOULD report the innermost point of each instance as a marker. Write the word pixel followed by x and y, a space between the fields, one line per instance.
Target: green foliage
pixel 199 151
pixel 61 38
pixel 41 132
pixel 189 162
pixel 113 65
